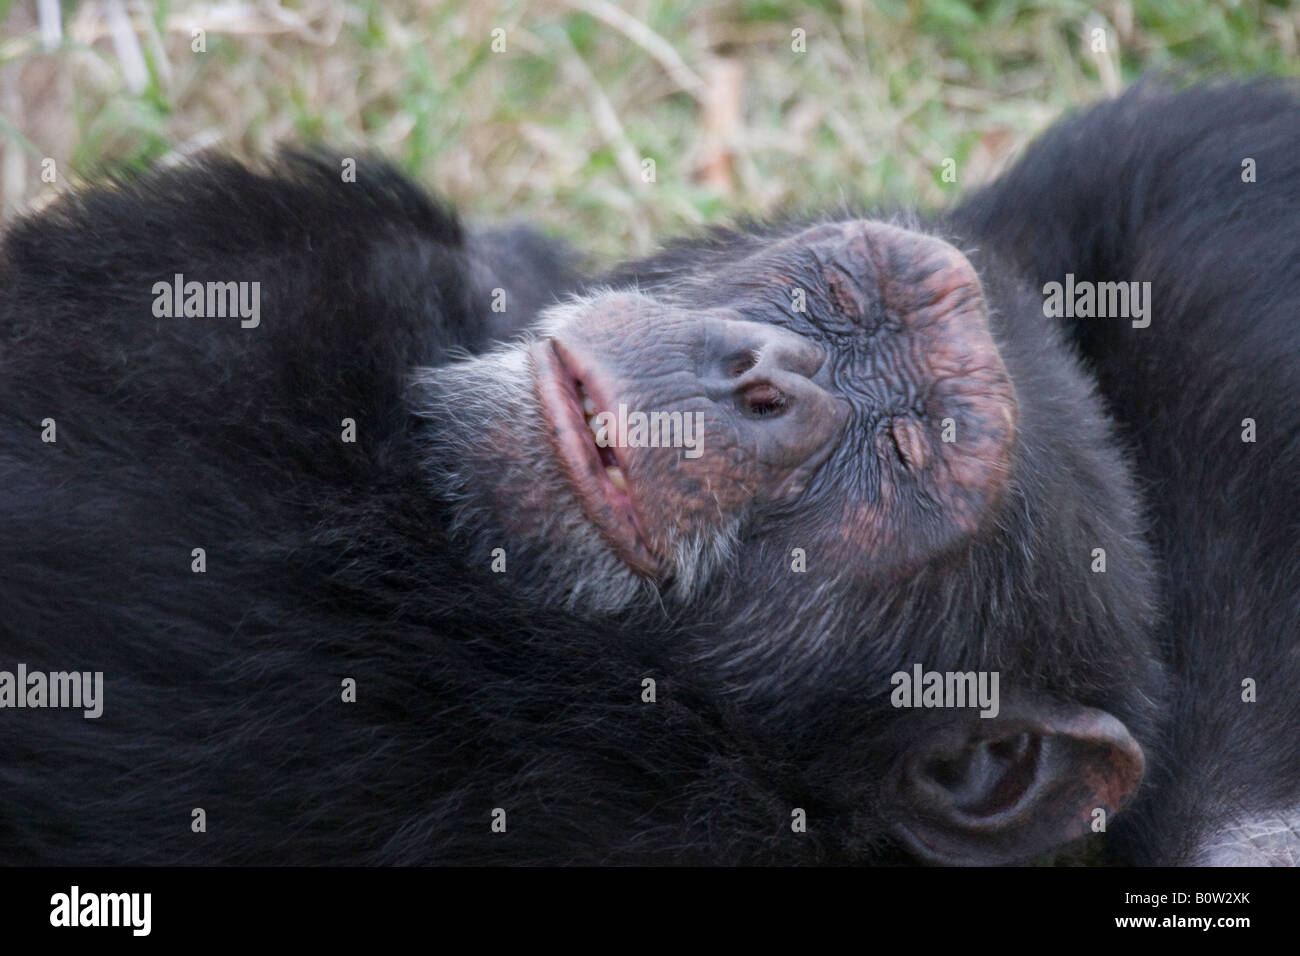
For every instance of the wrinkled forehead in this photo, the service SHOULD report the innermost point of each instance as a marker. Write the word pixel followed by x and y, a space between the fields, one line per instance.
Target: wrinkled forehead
pixel 762 278
pixel 829 280
pixel 799 258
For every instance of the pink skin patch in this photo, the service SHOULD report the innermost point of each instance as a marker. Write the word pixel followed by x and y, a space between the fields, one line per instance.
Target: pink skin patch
pixel 611 509
pixel 932 492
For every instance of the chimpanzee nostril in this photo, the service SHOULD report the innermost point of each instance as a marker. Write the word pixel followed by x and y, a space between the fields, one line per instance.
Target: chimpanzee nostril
pixel 742 363
pixel 764 401
pixel 755 368
pixel 765 349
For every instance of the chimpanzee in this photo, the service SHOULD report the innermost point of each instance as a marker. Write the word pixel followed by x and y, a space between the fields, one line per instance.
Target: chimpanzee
pixel 693 570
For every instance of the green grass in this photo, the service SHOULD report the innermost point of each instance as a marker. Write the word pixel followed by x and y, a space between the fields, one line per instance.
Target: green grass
pixel 554 129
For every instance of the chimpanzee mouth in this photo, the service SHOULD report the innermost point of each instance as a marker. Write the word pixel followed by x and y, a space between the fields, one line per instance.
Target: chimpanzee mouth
pixel 598 476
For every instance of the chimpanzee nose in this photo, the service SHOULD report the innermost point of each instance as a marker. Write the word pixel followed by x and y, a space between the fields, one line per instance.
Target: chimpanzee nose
pixel 739 357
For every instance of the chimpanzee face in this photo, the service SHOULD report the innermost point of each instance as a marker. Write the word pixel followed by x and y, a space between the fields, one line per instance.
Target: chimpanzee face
pixel 857 353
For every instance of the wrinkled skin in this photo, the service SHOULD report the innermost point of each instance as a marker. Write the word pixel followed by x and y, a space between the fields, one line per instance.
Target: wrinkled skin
pixel 907 345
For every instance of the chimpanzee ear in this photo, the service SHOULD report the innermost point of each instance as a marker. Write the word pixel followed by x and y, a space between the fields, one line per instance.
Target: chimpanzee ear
pixel 1017 786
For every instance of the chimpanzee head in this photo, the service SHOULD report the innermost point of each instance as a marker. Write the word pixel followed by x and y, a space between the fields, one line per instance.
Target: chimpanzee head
pixel 840 383
pixel 825 454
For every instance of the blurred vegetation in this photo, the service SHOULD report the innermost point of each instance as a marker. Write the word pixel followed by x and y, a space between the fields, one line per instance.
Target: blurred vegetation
pixel 557 127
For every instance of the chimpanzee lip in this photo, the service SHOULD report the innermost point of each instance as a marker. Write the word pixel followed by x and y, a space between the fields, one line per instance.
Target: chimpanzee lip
pixel 560 383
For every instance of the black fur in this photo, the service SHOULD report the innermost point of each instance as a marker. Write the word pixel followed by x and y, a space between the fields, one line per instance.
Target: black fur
pixel 1150 188
pixel 324 561
pixel 328 560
